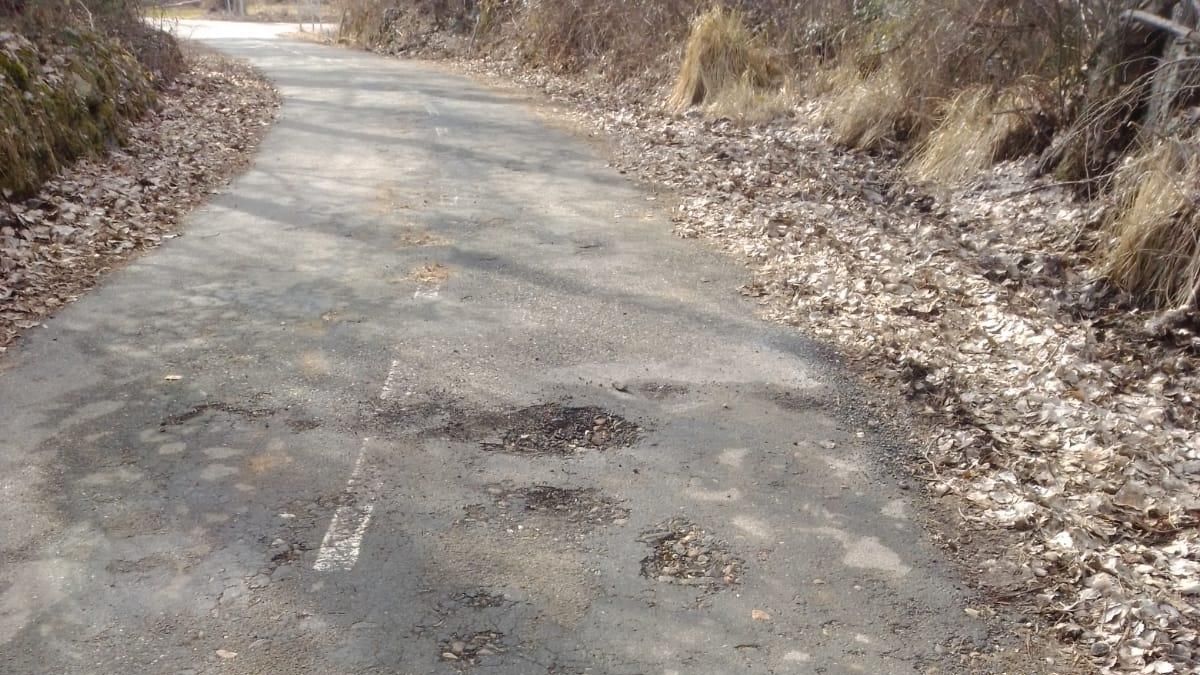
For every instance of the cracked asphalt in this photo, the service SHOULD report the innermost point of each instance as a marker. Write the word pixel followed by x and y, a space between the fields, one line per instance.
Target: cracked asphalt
pixel 431 388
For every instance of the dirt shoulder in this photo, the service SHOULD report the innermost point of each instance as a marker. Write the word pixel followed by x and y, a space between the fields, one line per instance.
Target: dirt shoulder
pixel 96 214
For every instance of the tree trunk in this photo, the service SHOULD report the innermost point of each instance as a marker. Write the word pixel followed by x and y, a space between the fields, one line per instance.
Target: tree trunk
pixel 1116 100
pixel 11 7
pixel 1177 78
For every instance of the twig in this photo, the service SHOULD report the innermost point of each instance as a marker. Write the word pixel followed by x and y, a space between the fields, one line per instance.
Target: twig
pixel 1179 30
pixel 1045 186
pixel 91 21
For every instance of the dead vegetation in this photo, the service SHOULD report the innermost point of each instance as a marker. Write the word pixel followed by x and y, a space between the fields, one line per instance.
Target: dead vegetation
pixel 980 128
pixel 1151 242
pixel 728 70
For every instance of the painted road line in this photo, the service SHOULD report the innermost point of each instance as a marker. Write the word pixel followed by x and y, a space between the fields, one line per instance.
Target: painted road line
pixel 343 540
pixel 390 381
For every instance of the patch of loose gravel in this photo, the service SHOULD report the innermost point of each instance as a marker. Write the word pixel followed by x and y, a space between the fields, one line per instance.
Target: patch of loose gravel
pixel 480 599
pixel 96 214
pixel 466 651
pixel 685 554
pixel 581 508
pixel 552 429
pixel 661 391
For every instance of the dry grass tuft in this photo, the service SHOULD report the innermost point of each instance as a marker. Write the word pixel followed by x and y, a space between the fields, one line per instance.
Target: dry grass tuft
pixel 747 103
pixel 979 128
pixel 868 111
pixel 1152 248
pixel 727 68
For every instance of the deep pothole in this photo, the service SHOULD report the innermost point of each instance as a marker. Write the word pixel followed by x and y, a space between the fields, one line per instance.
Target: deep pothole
pixel 469 650
pixel 684 553
pixel 552 429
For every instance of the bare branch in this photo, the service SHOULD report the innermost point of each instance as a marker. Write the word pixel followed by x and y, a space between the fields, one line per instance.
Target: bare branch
pixel 1179 30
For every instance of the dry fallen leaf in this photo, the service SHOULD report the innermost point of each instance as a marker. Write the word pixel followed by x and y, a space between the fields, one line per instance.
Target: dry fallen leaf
pixel 760 615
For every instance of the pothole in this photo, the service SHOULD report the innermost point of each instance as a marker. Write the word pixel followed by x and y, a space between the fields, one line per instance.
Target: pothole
pixel 685 554
pixel 662 390
pixel 300 425
pixel 580 506
pixel 553 429
pixel 468 650
pixel 218 406
pixel 800 401
pixel 407 413
pixel 481 599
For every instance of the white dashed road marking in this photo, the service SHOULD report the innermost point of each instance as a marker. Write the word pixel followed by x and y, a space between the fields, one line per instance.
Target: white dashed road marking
pixel 386 392
pixel 343 540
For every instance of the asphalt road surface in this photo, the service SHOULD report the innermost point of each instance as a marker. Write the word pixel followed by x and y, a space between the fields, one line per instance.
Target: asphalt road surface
pixel 431 388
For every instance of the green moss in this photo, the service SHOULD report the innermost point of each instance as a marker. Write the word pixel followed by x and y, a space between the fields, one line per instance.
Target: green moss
pixel 14 70
pixel 75 94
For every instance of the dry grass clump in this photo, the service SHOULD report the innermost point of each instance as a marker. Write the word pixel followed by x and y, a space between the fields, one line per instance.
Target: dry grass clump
pixel 979 128
pixel 430 274
pixel 746 102
pixel 892 85
pixel 869 111
pixel 727 68
pixel 619 38
pixel 1152 247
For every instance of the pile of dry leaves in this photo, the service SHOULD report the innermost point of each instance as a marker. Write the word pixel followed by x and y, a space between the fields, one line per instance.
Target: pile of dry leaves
pixel 96 213
pixel 1055 410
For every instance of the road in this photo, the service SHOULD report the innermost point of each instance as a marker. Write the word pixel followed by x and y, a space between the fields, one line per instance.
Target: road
pixel 432 388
